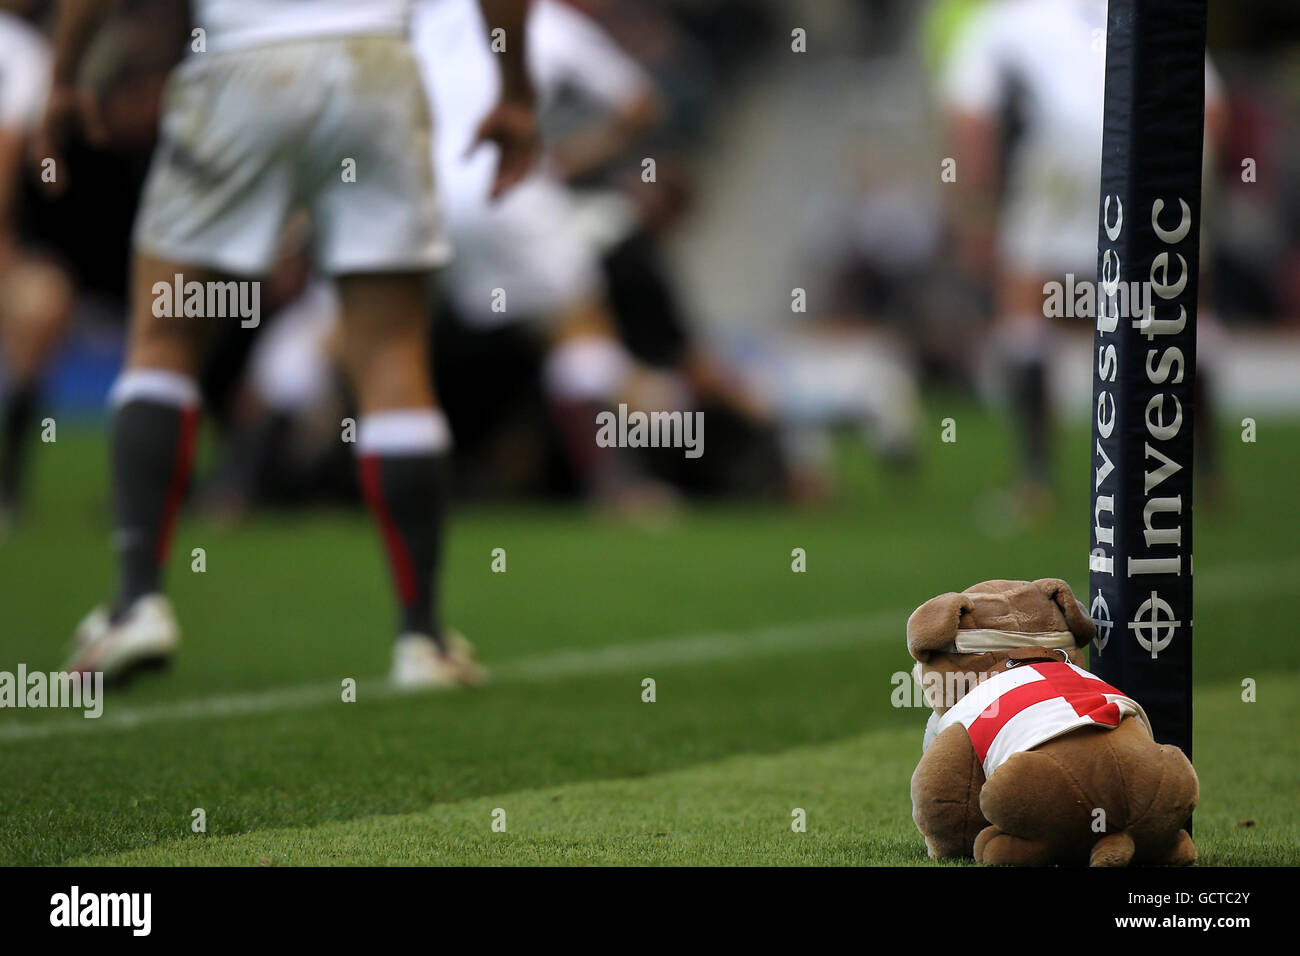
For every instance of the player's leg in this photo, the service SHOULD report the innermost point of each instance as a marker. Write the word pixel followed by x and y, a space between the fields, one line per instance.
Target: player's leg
pixel 291 379
pixel 1023 339
pixel 585 371
pixel 155 414
pixel 402 443
pixel 381 237
pixel 525 252
pixel 35 305
pixel 402 437
pixel 215 200
pixel 588 370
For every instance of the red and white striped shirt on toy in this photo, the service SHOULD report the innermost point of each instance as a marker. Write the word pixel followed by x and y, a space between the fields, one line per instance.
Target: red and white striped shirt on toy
pixel 1019 709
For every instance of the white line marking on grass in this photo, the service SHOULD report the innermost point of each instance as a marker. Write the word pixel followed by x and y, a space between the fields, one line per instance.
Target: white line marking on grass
pixel 684 649
pixel 1222 583
pixel 693 648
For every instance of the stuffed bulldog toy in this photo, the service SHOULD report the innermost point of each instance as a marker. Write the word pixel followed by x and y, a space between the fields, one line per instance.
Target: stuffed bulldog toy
pixel 1028 759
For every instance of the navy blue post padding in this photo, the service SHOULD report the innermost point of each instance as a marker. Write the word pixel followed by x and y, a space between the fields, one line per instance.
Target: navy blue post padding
pixel 1140 562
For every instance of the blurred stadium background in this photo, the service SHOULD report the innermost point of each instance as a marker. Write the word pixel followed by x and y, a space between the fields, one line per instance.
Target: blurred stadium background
pixel 775 172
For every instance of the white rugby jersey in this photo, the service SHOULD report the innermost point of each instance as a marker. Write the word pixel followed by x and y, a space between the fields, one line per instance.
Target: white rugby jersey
pixel 1019 709
pixel 237 24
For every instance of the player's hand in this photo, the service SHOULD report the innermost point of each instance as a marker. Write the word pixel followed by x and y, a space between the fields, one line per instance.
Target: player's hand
pixel 67 108
pixel 512 126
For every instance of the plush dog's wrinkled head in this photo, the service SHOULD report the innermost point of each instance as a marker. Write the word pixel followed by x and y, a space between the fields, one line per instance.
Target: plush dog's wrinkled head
pixel 965 636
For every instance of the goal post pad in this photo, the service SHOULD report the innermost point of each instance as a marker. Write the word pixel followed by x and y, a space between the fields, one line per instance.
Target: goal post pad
pixel 1144 359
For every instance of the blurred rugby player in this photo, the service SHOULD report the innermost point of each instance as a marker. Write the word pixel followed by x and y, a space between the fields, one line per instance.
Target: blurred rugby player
pixel 1025 89
pixel 35 292
pixel 282 101
pixel 530 247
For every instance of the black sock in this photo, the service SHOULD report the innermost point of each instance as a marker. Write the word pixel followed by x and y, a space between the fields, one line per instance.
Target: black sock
pixel 1028 379
pixel 406 495
pixel 152 452
pixel 15 428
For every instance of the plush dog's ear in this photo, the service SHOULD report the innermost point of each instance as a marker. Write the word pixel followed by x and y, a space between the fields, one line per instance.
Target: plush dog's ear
pixel 933 625
pixel 1076 615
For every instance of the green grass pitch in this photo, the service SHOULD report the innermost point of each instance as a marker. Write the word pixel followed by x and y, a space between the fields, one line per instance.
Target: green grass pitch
pixel 773 689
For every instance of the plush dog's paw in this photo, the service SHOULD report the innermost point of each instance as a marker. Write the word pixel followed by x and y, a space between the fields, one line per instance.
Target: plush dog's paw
pixel 1183 852
pixel 995 848
pixel 1115 849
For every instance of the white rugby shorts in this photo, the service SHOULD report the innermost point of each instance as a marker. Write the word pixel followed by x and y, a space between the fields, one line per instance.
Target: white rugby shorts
pixel 338 126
